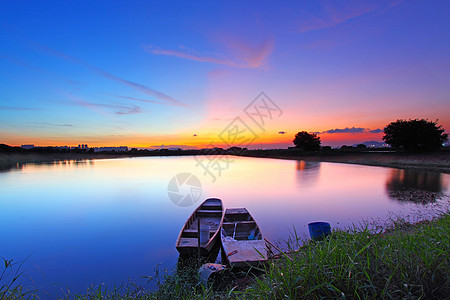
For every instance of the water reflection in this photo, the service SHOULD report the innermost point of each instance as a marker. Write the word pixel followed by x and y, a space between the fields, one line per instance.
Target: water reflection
pixel 116 217
pixel 7 167
pixel 307 173
pixel 414 186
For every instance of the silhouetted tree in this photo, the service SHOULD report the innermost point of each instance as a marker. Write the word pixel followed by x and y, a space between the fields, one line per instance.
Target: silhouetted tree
pixel 307 141
pixel 361 146
pixel 414 135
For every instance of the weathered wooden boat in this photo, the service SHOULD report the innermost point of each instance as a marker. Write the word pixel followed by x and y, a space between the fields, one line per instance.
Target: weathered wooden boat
pixel 211 214
pixel 242 242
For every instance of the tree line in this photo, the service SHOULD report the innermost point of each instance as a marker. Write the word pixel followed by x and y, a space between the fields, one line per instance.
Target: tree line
pixel 402 135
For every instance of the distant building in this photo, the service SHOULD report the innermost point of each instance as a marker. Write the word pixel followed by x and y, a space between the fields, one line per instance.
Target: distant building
pixel 30 146
pixel 110 149
pixel 373 144
pixel 82 147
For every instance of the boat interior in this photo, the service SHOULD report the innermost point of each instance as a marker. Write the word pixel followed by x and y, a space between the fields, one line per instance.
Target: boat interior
pixel 210 213
pixel 239 225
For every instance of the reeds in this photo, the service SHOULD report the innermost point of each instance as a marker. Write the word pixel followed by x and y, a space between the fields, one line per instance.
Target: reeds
pixel 10 285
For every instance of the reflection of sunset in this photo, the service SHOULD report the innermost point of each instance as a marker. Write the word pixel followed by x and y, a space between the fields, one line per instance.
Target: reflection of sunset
pixel 95 202
pixel 115 79
pixel 301 164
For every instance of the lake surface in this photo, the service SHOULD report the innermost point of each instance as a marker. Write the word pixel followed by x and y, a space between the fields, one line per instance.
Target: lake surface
pixel 106 221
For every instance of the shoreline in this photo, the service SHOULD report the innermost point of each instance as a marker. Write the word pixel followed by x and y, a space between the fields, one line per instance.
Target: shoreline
pixel 435 161
pixel 15 160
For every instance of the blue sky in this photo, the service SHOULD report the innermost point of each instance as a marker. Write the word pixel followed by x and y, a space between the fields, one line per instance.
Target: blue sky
pixel 143 74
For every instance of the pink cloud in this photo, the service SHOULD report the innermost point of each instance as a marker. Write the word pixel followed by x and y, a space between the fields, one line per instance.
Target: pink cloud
pixel 254 56
pixel 241 54
pixel 217 73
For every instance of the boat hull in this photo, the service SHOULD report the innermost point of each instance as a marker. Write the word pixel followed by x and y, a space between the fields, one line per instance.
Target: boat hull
pixel 192 250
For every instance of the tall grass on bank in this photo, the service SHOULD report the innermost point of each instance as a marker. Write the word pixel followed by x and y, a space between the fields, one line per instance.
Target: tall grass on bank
pixel 183 283
pixel 398 264
pixel 10 285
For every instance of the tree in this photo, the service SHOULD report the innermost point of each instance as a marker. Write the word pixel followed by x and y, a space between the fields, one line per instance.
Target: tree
pixel 414 135
pixel 307 141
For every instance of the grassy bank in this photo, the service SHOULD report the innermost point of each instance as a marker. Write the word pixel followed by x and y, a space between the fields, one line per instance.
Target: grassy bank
pixel 434 161
pixel 403 261
pixel 406 262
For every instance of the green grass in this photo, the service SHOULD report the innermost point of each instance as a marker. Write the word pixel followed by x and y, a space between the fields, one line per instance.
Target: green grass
pixel 180 284
pixel 404 262
pixel 411 264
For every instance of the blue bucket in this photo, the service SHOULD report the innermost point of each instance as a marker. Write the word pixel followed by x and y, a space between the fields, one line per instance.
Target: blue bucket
pixel 319 230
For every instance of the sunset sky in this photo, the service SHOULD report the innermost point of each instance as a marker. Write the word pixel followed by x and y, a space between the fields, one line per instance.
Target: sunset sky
pixel 171 73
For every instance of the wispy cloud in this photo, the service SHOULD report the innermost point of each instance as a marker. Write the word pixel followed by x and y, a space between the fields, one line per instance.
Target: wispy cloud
pixel 137 99
pixel 241 54
pixel 352 130
pixel 18 108
pixel 187 53
pixel 118 109
pixel 136 86
pixel 336 13
pixel 49 124
pixel 139 87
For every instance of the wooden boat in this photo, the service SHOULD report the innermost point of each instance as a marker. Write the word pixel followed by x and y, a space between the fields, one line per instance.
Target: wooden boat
pixel 242 242
pixel 211 214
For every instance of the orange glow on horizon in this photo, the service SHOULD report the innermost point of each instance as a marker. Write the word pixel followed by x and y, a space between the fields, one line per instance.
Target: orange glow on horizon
pixel 188 140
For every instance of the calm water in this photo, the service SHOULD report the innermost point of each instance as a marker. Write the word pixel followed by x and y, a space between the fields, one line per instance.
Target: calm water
pixel 107 221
